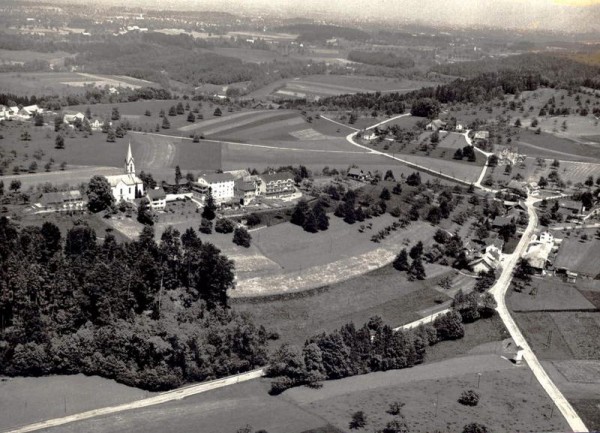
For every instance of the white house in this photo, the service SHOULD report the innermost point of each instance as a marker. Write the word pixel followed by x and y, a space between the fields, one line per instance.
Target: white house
pixel 71 117
pixel 222 185
pixel 127 186
pixel 96 125
pixel 277 184
pixel 157 198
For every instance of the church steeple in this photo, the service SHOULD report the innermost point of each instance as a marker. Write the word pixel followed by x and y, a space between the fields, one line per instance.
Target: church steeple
pixel 129 164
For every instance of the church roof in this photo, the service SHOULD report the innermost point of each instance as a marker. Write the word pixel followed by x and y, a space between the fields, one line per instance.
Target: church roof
pixel 127 179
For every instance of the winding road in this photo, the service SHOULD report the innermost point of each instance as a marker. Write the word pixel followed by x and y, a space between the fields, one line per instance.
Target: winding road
pixel 498 290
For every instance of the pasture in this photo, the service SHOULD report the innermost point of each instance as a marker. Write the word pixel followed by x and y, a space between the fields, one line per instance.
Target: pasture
pixel 62 83
pixel 322 86
pixel 579 256
pixel 552 145
pixel 430 393
pixel 25 400
pixel 548 295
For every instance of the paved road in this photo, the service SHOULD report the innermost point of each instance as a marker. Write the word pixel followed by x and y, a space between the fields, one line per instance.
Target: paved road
pixel 350 139
pixel 499 291
pixel 176 394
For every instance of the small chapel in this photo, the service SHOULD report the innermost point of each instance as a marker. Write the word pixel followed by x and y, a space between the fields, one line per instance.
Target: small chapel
pixel 126 187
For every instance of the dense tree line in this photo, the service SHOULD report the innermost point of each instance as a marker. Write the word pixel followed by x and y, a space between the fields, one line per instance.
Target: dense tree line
pixel 322 32
pixel 146 313
pixel 557 70
pixel 350 351
pixel 481 88
pixel 380 58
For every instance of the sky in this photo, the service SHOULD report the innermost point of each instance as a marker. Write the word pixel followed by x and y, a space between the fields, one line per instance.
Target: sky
pixel 565 15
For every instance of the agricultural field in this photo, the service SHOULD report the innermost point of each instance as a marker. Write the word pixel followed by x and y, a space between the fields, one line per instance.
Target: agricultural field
pixel 25 400
pixel 321 86
pixel 549 295
pixel 62 83
pixel 551 145
pixel 21 56
pixel 430 394
pixel 425 390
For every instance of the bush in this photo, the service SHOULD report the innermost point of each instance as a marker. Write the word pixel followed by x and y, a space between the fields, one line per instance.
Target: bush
pixel 469 398
pixel 205 226
pixel 241 237
pixel 395 408
pixel 253 220
pixel 224 225
pixel 474 428
pixel 359 420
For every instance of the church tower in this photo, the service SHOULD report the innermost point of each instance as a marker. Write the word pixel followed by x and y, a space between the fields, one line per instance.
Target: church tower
pixel 129 164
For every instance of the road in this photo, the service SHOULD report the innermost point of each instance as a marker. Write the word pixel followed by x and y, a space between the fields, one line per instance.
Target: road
pixel 350 139
pixel 165 397
pixel 499 291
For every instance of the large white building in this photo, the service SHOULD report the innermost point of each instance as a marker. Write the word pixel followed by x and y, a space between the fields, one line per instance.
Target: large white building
pixel 126 187
pixel 222 185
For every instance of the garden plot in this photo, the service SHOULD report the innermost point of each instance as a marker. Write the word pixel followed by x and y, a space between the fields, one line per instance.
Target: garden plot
pixel 308 134
pixel 225 119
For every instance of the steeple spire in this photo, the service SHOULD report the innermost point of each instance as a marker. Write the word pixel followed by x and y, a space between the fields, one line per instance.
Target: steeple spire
pixel 129 164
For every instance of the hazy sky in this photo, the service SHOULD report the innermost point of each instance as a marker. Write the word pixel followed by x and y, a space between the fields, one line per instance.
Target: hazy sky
pixel 574 15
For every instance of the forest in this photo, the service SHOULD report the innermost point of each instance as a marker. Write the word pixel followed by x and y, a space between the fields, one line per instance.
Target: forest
pixel 380 58
pixel 482 88
pixel 321 33
pixel 148 314
pixel 560 71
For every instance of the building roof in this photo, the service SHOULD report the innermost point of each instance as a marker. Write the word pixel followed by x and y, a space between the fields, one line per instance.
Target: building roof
pixel 482 135
pixel 537 253
pixel 60 197
pixel 242 185
pixel 500 221
pixel 211 178
pixel 496 242
pixel 156 194
pixel 274 177
pixel 570 204
pixel 127 179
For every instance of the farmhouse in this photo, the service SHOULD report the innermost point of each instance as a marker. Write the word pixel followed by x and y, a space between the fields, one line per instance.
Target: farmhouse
pixel 157 198
pixel 508 155
pixel 71 117
pixel 501 221
pixel 221 185
pixel 517 187
pixel 358 174
pixel 96 125
pixel 436 125
pixel 277 184
pixel 63 201
pixel 572 206
pixel 481 135
pixel 369 135
pixel 539 250
pixel 126 187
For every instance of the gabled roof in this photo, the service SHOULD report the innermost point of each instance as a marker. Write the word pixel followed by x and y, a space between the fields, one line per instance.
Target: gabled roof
pixel 500 221
pixel 211 178
pixel 127 179
pixel 274 177
pixel 60 197
pixel 242 185
pixel 156 194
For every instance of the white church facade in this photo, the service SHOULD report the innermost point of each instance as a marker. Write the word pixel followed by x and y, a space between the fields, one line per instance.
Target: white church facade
pixel 127 186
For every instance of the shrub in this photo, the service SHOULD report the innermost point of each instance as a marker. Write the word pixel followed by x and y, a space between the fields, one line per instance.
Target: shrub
pixel 395 408
pixel 469 398
pixel 241 237
pixel 359 420
pixel 224 225
pixel 205 226
pixel 474 428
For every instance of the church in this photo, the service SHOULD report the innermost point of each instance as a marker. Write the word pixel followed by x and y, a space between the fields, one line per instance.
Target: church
pixel 126 187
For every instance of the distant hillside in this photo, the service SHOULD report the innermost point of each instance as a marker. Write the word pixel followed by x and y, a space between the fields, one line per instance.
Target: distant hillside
pixel 318 32
pixel 554 68
pixel 380 58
